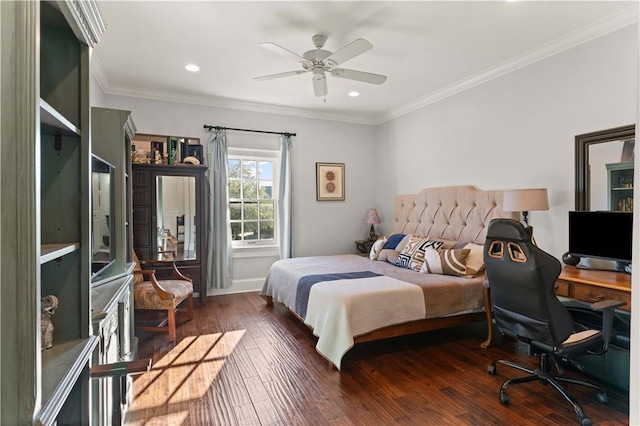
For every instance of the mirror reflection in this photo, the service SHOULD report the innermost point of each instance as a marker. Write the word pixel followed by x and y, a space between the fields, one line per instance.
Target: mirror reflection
pixel 102 209
pixel 611 176
pixel 176 220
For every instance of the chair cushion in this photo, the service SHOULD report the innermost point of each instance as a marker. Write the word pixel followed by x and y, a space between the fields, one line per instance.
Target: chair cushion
pixel 146 297
pixel 579 343
pixel 579 337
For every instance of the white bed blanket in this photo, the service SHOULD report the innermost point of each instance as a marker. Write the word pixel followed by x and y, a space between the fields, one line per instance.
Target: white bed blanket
pixel 339 310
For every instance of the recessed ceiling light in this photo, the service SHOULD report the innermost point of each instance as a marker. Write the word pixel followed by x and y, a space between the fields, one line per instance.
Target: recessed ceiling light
pixel 192 67
pixel 353 93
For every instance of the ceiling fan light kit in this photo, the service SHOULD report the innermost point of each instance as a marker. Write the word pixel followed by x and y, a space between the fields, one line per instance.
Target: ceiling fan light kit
pixel 319 62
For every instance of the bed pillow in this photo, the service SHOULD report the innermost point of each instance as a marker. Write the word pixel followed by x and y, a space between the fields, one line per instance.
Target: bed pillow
pixel 448 244
pixel 475 261
pixel 392 241
pixel 389 255
pixel 412 255
pixel 377 247
pixel 445 262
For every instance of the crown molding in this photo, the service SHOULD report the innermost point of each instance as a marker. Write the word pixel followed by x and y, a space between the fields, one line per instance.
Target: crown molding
pixel 220 102
pixel 622 19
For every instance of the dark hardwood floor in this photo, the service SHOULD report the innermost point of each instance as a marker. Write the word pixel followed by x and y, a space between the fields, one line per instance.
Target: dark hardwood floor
pixel 240 362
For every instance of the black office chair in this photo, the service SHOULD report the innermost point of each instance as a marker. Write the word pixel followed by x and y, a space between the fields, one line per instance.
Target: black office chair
pixel 521 280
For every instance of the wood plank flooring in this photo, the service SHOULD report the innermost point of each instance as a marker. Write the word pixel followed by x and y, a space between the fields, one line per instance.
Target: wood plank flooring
pixel 240 362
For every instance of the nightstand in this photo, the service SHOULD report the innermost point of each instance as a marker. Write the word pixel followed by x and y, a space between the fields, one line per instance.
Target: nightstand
pixel 364 246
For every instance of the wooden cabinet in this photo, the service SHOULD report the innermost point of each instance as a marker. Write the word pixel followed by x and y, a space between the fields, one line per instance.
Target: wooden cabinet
pixel 594 286
pixel 620 186
pixel 166 201
pixel 112 318
pixel 112 289
pixel 45 145
pixel 112 132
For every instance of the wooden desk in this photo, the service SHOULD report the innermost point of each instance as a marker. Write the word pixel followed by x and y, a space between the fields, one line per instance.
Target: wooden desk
pixel 593 286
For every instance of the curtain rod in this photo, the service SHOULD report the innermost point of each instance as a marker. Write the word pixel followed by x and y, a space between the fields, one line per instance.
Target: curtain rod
pixel 209 127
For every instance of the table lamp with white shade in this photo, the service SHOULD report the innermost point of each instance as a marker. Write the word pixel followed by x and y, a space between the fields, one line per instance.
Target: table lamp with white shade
pixel 525 200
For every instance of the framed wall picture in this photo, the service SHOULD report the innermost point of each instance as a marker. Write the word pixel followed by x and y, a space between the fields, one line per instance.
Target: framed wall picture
pixel 330 181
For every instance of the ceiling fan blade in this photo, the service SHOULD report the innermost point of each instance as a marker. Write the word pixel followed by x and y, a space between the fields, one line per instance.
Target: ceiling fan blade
pixel 365 77
pixel 281 74
pixel 320 85
pixel 349 51
pixel 282 51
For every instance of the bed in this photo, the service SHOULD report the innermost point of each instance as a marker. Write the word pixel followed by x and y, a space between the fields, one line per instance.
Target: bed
pixel 428 274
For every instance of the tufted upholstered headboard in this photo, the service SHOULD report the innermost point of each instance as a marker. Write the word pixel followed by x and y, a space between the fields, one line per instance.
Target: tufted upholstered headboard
pixel 460 213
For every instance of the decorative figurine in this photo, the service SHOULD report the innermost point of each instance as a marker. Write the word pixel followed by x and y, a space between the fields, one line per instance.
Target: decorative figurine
pixel 48 304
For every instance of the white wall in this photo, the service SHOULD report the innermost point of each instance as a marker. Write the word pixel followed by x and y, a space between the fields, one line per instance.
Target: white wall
pixel 516 131
pixel 319 227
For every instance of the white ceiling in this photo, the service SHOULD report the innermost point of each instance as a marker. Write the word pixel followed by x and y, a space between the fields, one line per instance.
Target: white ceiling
pixel 428 49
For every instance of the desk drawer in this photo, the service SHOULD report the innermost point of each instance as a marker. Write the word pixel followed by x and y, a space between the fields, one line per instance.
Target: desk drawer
pixel 561 288
pixel 593 294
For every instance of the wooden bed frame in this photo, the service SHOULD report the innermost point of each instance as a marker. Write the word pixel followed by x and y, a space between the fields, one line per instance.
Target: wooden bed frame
pixel 423 325
pixel 460 213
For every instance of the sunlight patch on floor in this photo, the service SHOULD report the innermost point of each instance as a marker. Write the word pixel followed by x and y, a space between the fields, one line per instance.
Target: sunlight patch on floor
pixel 185 374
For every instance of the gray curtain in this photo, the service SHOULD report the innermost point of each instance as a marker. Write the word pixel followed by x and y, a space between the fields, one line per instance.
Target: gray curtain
pixel 220 254
pixel 285 202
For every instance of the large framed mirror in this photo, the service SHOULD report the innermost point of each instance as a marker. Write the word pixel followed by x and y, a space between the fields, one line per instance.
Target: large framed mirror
pixel 176 217
pixel 604 169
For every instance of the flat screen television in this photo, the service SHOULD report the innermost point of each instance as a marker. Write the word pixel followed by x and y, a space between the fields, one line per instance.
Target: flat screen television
pixel 602 235
pixel 102 211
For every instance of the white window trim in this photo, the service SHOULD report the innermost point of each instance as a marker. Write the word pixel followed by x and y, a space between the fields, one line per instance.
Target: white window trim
pixel 260 248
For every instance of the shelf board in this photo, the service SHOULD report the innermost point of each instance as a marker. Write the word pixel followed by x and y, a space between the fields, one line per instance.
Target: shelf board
pixel 61 367
pixel 49 252
pixel 52 122
pixel 622 189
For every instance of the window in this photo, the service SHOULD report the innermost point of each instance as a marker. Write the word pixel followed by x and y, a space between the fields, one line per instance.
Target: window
pixel 252 199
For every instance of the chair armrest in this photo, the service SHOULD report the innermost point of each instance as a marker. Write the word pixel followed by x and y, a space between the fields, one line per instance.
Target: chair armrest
pixel 154 282
pixel 164 295
pixel 178 275
pixel 174 269
pixel 606 305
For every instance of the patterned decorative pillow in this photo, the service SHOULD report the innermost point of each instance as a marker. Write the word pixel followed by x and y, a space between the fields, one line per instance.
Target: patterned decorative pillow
pixel 475 261
pixel 448 244
pixel 412 255
pixel 445 262
pixel 389 255
pixel 377 247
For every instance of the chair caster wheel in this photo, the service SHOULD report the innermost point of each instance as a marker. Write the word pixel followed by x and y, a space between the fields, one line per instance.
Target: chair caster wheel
pixel 491 370
pixel 602 398
pixel 504 398
pixel 584 421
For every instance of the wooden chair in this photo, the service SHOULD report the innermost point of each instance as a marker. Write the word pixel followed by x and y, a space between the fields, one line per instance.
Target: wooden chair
pixel 168 248
pixel 152 294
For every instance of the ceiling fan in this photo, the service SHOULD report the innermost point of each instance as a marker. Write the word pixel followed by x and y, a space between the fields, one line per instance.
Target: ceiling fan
pixel 319 62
